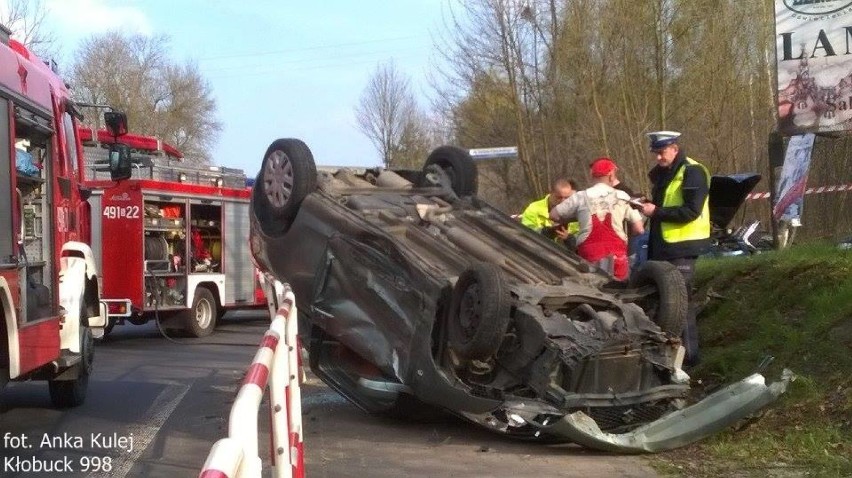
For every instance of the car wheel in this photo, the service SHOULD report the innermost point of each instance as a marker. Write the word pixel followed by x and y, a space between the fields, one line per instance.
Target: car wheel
pixel 287 175
pixel 668 306
pixel 480 312
pixel 451 166
pixel 72 393
pixel 200 320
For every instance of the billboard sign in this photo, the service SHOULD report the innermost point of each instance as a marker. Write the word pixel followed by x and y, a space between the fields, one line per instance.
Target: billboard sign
pixel 814 65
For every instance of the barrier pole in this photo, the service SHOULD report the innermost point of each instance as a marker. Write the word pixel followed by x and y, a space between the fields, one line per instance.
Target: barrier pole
pixel 275 364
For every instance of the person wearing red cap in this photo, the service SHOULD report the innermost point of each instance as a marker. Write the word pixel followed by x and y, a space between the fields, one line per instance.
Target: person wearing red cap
pixel 617 184
pixel 602 212
pixel 637 246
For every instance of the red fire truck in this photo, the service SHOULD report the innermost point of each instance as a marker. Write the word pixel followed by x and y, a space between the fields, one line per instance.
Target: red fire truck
pixel 172 240
pixel 50 306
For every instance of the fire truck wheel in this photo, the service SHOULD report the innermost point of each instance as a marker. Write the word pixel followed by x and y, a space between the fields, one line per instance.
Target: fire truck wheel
pixel 200 320
pixel 72 393
pixel 288 174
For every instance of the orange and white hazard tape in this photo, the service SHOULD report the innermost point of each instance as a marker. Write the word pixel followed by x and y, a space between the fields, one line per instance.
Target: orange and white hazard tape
pixel 816 190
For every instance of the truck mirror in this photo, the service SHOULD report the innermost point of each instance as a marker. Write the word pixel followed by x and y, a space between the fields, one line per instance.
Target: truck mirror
pixel 120 166
pixel 116 123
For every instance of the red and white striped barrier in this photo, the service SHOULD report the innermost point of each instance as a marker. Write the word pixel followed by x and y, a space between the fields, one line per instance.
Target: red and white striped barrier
pixel 276 363
pixel 816 190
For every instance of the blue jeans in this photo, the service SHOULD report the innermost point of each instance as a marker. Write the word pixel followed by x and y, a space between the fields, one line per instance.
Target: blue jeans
pixel 637 247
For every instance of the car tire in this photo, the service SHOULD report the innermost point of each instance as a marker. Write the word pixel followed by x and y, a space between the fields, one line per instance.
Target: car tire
pixel 287 175
pixel 200 320
pixel 479 315
pixel 453 165
pixel 72 393
pixel 669 305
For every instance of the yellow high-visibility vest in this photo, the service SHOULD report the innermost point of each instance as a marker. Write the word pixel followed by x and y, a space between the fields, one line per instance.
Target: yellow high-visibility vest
pixel 537 216
pixel 690 231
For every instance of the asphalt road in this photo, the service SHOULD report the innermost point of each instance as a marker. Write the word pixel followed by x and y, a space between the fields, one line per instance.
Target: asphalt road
pixel 173 401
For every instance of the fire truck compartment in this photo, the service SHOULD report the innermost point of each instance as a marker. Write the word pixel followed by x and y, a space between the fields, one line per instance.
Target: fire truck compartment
pixel 32 141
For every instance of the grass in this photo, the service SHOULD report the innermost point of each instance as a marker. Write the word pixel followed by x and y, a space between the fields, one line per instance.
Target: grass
pixel 795 305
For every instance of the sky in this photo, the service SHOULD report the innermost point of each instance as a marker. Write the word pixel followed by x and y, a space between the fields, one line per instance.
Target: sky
pixel 276 68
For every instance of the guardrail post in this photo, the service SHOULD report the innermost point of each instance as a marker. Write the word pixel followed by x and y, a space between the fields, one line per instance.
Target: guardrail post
pixel 276 364
pixel 224 460
pixel 288 385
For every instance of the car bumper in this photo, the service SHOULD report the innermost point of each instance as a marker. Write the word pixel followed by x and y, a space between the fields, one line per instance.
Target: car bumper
pixel 716 412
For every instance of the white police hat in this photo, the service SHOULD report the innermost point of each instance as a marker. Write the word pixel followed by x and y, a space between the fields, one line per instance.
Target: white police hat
pixel 661 139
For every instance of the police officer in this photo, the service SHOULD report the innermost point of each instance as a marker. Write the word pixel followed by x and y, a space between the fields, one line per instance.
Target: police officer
pixel 680 217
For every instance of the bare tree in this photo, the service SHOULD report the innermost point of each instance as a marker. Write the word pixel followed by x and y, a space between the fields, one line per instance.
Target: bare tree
pixel 387 113
pixel 585 78
pixel 161 98
pixel 569 80
pixel 26 19
pixel 415 141
pixel 509 42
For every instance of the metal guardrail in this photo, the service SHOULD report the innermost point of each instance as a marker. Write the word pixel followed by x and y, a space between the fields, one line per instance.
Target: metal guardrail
pixel 276 363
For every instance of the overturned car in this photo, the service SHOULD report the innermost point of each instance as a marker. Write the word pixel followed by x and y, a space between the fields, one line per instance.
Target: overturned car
pixel 415 294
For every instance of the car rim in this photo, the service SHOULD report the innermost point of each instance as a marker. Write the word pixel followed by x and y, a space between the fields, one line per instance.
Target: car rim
pixel 469 310
pixel 433 174
pixel 278 178
pixel 203 314
pixel 439 175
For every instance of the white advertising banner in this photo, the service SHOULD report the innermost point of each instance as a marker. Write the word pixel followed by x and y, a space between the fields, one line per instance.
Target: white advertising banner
pixel 794 179
pixel 814 59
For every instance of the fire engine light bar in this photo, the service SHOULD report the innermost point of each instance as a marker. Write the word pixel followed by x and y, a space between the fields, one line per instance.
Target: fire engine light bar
pixel 118 308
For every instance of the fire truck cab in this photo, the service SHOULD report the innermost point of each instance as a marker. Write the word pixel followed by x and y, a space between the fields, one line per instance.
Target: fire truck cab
pixel 172 239
pixel 50 308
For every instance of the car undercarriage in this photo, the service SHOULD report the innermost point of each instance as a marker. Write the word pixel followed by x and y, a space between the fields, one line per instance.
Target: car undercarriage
pixel 420 295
